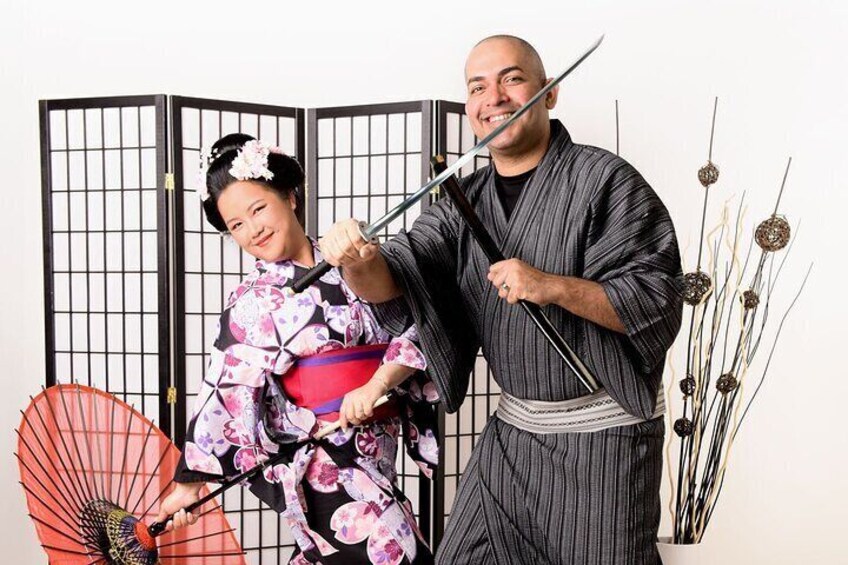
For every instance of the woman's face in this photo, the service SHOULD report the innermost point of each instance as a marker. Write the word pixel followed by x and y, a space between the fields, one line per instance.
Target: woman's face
pixel 261 220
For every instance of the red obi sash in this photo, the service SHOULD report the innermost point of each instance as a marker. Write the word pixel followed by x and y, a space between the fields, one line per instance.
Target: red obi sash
pixel 319 382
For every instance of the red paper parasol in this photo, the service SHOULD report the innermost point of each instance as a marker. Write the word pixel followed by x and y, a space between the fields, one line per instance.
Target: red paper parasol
pixel 94 471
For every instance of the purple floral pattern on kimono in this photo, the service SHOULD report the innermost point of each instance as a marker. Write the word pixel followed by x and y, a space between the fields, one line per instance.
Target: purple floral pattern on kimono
pixel 264 329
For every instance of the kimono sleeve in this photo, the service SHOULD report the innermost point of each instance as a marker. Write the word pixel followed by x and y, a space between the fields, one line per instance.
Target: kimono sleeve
pixel 632 252
pixel 393 316
pixel 226 435
pixel 402 343
pixel 403 350
pixel 423 262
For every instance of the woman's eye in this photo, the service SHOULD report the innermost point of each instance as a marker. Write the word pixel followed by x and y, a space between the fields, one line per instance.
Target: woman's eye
pixel 235 226
pixel 259 209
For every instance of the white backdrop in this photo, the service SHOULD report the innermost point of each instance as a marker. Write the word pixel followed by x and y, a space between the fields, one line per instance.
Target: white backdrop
pixel 777 67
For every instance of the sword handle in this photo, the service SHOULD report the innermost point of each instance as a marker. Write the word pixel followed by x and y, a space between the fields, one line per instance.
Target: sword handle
pixel 321 268
pixel 311 276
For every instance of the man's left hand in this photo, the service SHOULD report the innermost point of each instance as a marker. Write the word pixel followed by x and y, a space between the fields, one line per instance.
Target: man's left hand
pixel 516 280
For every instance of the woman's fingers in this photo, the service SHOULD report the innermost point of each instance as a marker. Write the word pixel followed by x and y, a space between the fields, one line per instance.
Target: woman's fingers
pixel 343 413
pixel 179 520
pixel 354 416
pixel 367 409
pixel 363 409
pixel 183 519
pixel 355 409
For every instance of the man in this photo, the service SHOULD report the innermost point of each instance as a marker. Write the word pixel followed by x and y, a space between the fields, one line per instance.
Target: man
pixel 556 476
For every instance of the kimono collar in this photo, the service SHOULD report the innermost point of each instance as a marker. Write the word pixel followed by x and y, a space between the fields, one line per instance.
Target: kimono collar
pixel 533 195
pixel 559 144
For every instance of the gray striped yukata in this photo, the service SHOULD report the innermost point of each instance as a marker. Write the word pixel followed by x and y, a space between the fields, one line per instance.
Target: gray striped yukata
pixel 577 498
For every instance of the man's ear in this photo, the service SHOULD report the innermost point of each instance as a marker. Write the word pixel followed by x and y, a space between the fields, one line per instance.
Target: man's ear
pixel 551 96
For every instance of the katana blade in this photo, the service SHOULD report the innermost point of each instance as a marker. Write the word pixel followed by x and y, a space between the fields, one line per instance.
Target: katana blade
pixel 370 231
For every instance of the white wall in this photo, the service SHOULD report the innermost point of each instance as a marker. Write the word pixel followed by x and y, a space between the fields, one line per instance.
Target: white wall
pixel 778 68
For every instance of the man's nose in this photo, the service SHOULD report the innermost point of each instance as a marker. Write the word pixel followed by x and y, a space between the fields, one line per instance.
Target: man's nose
pixel 497 95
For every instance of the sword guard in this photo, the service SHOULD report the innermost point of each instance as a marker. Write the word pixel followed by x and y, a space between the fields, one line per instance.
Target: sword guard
pixel 372 240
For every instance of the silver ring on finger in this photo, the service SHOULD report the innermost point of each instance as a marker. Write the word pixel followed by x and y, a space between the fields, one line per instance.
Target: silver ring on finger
pixel 505 287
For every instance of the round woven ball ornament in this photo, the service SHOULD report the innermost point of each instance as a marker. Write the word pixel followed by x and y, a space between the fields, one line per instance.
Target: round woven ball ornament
pixel 696 287
pixel 726 383
pixel 773 234
pixel 684 427
pixel 708 174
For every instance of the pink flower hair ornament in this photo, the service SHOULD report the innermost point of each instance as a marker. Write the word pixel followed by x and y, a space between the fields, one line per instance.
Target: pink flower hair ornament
pixel 251 162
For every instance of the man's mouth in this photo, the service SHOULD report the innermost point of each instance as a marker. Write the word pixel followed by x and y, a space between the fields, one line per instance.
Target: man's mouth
pixel 264 240
pixel 498 118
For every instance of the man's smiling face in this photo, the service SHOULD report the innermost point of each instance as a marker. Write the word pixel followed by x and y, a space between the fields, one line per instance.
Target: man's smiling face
pixel 501 76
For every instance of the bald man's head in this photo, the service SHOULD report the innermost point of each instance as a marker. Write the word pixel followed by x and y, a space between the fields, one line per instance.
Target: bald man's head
pixel 502 74
pixel 534 62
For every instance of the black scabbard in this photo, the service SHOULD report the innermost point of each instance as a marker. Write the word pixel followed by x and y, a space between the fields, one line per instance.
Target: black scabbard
pixel 493 253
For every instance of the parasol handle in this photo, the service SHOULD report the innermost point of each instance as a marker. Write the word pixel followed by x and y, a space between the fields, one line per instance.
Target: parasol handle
pixel 158 528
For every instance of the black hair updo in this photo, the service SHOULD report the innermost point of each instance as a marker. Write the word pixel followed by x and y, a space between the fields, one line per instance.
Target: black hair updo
pixel 288 177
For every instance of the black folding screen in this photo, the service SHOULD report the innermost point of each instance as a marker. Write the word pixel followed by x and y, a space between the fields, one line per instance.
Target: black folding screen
pixel 105 261
pixel 207 265
pixel 364 160
pixel 135 278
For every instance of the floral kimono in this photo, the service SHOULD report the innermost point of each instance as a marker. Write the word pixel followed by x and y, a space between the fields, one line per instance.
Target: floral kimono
pixel 339 496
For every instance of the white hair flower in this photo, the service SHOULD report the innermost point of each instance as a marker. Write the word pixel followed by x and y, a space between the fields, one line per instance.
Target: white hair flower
pixel 206 157
pixel 252 162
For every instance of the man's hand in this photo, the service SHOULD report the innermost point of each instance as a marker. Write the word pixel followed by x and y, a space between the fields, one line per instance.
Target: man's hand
pixel 183 495
pixel 364 268
pixel 343 246
pixel 516 280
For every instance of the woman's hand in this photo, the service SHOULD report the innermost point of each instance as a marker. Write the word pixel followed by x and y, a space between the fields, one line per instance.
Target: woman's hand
pixel 358 404
pixel 183 495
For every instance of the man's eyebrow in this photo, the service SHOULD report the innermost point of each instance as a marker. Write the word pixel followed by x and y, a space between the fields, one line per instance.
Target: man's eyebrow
pixel 501 73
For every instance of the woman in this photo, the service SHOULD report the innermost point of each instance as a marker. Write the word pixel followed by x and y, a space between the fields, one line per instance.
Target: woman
pixel 286 363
